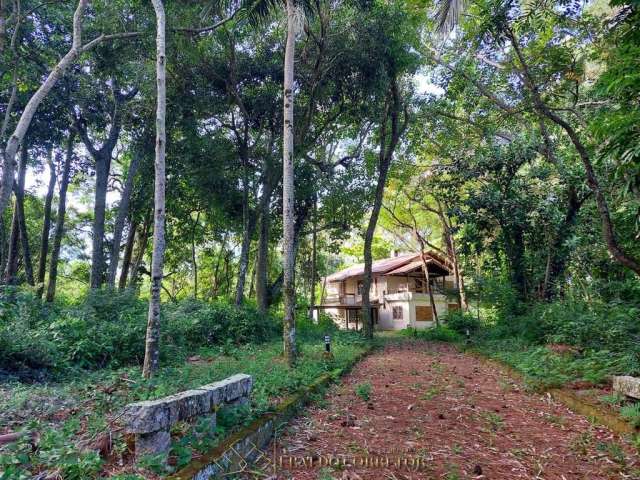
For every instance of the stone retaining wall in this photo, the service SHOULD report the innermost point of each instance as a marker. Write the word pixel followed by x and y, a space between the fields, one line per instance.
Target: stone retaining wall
pixel 244 447
pixel 151 421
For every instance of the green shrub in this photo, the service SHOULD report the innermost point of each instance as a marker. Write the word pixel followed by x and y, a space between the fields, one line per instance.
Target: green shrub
pixel 107 329
pixel 305 327
pixel 463 321
pixel 443 333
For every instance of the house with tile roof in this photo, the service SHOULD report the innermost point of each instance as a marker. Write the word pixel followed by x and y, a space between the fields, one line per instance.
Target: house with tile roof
pixel 399 295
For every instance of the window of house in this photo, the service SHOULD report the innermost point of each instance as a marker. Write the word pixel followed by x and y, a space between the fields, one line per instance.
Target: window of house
pixel 424 313
pixel 397 313
pixel 360 287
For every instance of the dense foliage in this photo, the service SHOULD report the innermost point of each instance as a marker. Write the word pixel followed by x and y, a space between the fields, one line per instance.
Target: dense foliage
pixel 508 145
pixel 105 331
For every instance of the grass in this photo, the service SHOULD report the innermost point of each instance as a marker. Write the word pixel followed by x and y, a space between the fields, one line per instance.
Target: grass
pixel 541 368
pixel 363 390
pixel 431 393
pixel 494 420
pixel 631 413
pixel 79 409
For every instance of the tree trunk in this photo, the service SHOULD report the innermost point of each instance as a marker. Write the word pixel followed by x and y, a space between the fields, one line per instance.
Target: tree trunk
pixel 22 222
pixel 13 251
pixel 143 240
pixel 557 263
pixel 128 253
pixel 46 225
pixel 275 288
pixel 314 258
pixel 288 212
pixel 215 281
pixel 249 228
pixel 455 261
pixel 152 347
pixel 385 155
pixel 34 102
pixel 425 270
pixel 367 320
pixel 103 164
pixel 62 209
pixel 3 247
pixel 3 25
pixel 262 260
pixel 194 262
pixel 123 211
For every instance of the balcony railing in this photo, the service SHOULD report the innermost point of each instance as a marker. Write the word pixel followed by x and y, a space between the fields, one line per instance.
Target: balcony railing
pixel 396 294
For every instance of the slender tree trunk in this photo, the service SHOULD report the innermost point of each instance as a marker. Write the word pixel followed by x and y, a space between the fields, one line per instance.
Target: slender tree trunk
pixel 314 258
pixel 128 253
pixel 262 259
pixel 34 102
pixel 227 272
pixel 46 225
pixel 425 270
pixel 3 247
pixel 123 211
pixel 194 262
pixel 243 264
pixel 143 240
pixel 367 319
pixel 152 347
pixel 277 285
pixel 216 281
pixel 388 143
pixel 455 261
pixel 252 284
pixel 3 24
pixel 59 229
pixel 13 251
pixel 288 211
pixel 22 222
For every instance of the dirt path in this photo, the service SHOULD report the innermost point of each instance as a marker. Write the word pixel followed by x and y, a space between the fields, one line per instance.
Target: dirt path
pixel 456 416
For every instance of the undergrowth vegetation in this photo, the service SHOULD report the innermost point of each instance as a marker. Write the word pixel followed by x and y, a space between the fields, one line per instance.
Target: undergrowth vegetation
pixel 104 330
pixel 77 411
pixel 553 343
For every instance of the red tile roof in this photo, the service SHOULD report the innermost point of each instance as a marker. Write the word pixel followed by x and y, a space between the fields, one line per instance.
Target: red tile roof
pixel 391 265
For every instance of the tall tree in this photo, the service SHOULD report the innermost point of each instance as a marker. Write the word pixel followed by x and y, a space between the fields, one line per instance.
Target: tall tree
pixel 46 224
pixel 392 125
pixel 288 216
pixel 123 211
pixel 102 157
pixel 41 93
pixel 152 347
pixel 62 209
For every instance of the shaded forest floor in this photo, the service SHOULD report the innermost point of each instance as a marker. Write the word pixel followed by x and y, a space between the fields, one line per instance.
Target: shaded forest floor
pixel 74 423
pixel 460 416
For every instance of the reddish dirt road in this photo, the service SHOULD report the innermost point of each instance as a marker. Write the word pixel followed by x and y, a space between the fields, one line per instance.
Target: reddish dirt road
pixel 455 416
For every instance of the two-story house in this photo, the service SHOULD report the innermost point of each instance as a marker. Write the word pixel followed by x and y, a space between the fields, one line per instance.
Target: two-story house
pixel 399 295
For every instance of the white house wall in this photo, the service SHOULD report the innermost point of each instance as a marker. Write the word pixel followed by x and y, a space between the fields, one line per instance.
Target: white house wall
pixel 389 286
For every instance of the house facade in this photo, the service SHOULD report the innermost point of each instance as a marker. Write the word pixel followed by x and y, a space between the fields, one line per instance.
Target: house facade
pixel 399 297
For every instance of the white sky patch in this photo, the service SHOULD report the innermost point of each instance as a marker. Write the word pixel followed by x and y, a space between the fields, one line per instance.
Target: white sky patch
pixel 424 86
